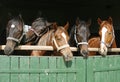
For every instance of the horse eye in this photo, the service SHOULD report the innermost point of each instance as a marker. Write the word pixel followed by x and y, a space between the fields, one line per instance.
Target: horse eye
pixel 77 34
pixel 58 38
pixel 109 33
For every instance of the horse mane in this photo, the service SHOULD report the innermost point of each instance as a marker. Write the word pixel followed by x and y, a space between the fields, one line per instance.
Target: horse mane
pixel 45 38
pixel 105 23
pixel 38 22
pixel 71 34
pixel 16 20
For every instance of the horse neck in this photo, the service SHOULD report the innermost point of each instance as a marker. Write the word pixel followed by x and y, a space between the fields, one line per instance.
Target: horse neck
pixel 46 39
pixel 114 45
pixel 72 40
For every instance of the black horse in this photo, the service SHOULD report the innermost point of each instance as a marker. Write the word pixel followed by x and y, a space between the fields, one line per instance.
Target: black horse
pixel 79 35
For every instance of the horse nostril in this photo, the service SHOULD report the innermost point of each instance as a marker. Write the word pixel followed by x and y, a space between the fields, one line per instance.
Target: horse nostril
pixel 8 50
pixel 84 52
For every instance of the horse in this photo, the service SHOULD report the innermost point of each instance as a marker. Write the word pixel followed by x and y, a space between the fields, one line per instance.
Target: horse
pixel 18 33
pixel 39 27
pixel 79 35
pixel 57 38
pixel 106 38
pixel 14 33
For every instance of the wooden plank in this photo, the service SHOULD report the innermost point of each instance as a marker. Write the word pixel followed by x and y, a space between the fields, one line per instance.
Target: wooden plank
pixel 4 64
pixel 61 64
pixel 50 48
pixel 90 73
pixel 103 74
pixel 52 66
pixel 81 66
pixel 34 65
pixel 14 66
pixel 71 76
pixel 117 78
pixel 44 77
pixel 24 64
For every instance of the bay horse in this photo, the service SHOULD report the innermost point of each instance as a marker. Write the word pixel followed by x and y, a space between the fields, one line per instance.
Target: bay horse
pixel 106 37
pixel 79 35
pixel 57 38
pixel 14 33
pixel 18 33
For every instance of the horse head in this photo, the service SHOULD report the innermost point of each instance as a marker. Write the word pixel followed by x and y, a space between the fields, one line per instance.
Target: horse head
pixel 81 35
pixel 14 34
pixel 60 41
pixel 39 27
pixel 107 35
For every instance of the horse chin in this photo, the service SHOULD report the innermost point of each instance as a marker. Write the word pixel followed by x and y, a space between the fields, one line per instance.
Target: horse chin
pixel 103 51
pixel 9 48
pixel 83 50
pixel 84 53
pixel 67 54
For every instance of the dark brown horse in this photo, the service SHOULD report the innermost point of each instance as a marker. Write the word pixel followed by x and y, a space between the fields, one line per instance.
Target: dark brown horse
pixel 39 27
pixel 79 35
pixel 14 34
pixel 58 39
pixel 106 37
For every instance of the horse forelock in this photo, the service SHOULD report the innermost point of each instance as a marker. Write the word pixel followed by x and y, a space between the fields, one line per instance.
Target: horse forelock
pixel 64 32
pixel 107 24
pixel 15 22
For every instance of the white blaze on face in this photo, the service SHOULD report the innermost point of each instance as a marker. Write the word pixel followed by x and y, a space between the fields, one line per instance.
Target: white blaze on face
pixel 104 30
pixel 64 36
pixel 12 26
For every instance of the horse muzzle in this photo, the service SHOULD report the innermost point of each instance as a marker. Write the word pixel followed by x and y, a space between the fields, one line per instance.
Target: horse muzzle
pixel 67 54
pixel 9 48
pixel 83 50
pixel 103 50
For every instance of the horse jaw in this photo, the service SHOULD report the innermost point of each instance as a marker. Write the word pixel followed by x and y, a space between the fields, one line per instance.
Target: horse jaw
pixel 84 53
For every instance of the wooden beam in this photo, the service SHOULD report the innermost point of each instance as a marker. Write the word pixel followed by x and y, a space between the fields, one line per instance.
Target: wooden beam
pixel 50 48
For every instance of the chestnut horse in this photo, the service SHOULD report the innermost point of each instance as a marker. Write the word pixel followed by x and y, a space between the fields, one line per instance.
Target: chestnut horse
pixel 79 36
pixel 57 38
pixel 106 37
pixel 18 33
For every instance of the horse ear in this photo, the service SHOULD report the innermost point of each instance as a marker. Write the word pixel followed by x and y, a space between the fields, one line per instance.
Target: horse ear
pixel 10 16
pixel 48 23
pixel 99 21
pixel 77 21
pixel 20 16
pixel 66 26
pixel 55 26
pixel 89 22
pixel 110 20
